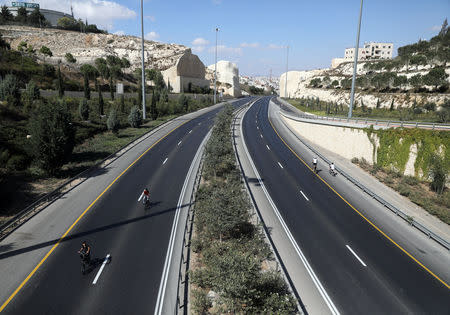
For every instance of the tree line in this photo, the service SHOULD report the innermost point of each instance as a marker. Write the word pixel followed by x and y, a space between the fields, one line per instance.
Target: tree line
pixel 37 19
pixel 56 124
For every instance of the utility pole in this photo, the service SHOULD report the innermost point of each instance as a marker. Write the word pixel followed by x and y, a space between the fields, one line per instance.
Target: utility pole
pixel 215 71
pixel 143 65
pixel 287 68
pixel 355 64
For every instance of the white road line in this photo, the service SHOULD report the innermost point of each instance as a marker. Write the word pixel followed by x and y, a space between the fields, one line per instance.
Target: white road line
pixel 267 147
pixel 297 248
pixel 179 143
pixel 190 131
pixel 257 127
pixel 260 135
pixel 165 161
pixel 168 261
pixel 280 165
pixel 101 269
pixel 304 195
pixel 362 262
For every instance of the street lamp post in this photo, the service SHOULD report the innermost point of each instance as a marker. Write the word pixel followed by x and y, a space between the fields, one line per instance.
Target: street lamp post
pixel 215 70
pixel 287 69
pixel 355 64
pixel 143 65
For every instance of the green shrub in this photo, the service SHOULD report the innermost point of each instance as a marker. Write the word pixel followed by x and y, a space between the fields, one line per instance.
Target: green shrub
pixel 4 156
pixel 30 94
pixel 183 102
pixel 52 135
pixel 200 301
pixel 438 173
pixel 17 163
pixel 70 58
pixel 163 107
pixel 135 117
pixel 404 190
pixel 9 90
pixel 83 109
pixel 48 71
pixel 113 122
pixel 410 180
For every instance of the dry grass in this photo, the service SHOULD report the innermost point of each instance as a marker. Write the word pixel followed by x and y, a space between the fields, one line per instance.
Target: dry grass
pixel 415 190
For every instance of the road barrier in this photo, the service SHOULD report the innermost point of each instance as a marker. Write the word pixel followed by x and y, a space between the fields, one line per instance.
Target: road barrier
pixel 365 122
pixel 410 220
pixel 183 284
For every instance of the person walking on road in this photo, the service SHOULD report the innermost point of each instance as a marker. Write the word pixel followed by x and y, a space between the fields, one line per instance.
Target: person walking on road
pixel 315 164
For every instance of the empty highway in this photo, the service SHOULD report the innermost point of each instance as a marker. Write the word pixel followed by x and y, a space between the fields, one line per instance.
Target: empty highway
pixel 362 271
pixel 136 239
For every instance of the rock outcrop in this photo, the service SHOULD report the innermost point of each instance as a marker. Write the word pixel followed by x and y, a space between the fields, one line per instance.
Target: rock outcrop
pixel 298 86
pixel 228 76
pixel 87 47
pixel 187 73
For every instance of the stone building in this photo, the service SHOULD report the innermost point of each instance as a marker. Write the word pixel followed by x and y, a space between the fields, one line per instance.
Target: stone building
pixel 188 72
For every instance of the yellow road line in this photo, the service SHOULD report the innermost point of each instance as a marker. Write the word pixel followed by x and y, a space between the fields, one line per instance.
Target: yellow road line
pixel 78 219
pixel 351 206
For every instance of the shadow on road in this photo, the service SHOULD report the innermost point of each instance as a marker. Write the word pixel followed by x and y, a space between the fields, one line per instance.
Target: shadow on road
pixel 254 181
pixel 81 234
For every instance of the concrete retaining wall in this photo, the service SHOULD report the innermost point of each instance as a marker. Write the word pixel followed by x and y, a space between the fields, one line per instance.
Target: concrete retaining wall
pixel 346 142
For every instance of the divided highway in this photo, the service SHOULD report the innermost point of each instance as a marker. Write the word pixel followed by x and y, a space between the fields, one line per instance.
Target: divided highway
pixel 361 270
pixel 117 225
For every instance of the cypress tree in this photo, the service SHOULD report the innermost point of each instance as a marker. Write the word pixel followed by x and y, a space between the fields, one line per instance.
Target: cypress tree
pixel 87 90
pixel 60 82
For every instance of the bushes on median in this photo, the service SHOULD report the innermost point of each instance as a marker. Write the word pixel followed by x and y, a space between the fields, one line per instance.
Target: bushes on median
pixel 231 252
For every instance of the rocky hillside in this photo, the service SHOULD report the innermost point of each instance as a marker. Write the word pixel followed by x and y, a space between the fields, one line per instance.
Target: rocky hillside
pixel 419 74
pixel 87 47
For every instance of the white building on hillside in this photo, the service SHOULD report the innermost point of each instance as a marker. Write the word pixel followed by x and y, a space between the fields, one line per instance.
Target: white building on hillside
pixel 370 50
pixel 51 16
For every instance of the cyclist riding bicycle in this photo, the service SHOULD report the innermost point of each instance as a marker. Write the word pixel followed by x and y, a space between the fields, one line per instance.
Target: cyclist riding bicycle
pixel 145 196
pixel 85 252
pixel 332 169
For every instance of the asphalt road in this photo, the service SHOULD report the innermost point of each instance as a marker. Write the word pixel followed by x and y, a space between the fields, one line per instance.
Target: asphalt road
pixel 362 271
pixel 135 238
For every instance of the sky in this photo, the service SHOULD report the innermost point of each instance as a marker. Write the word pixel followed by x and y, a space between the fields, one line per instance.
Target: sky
pixel 254 34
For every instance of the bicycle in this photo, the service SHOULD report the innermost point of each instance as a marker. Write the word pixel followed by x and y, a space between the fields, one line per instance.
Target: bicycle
pixel 85 262
pixel 315 165
pixel 146 201
pixel 332 170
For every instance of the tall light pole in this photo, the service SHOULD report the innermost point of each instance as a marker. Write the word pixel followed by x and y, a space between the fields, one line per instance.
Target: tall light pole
pixel 355 64
pixel 143 65
pixel 215 70
pixel 287 68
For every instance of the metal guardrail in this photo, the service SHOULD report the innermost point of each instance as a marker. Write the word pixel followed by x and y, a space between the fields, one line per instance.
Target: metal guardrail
pixel 41 203
pixel 187 235
pixel 371 122
pixel 410 220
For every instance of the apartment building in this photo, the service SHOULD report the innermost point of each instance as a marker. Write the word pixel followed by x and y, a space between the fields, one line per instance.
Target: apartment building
pixel 371 50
